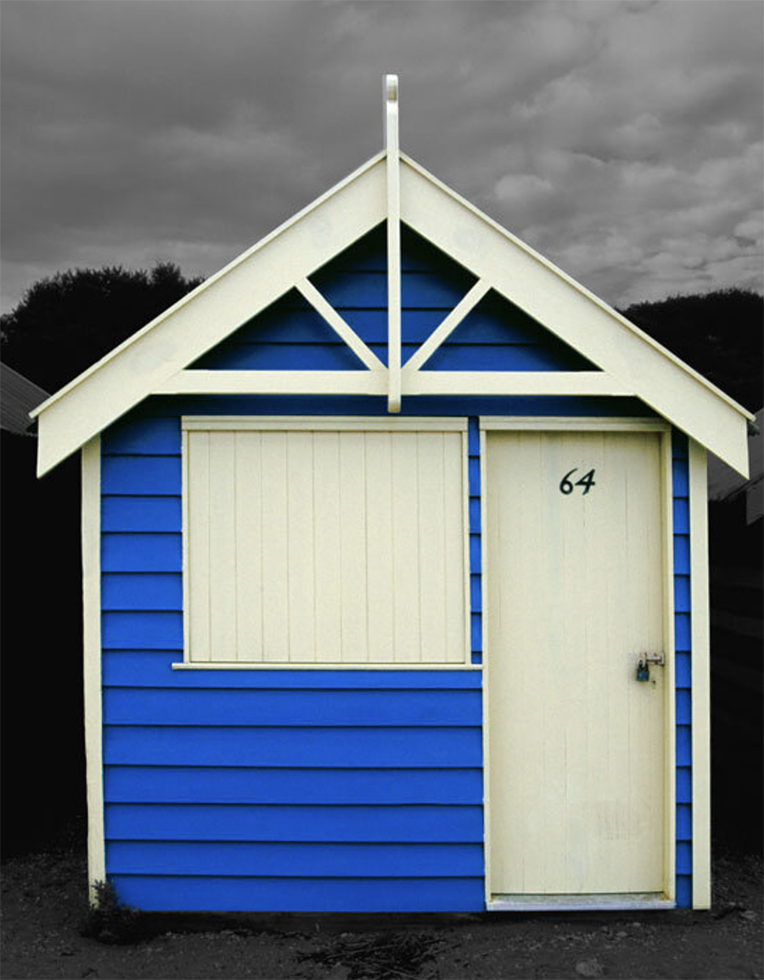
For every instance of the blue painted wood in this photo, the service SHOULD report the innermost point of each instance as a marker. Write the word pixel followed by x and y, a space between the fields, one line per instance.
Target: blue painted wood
pixel 476 593
pixel 160 706
pixel 428 824
pixel 473 469
pixel 684 784
pixel 322 356
pixel 363 748
pixel 682 632
pixel 475 517
pixel 678 444
pixel 683 670
pixel 684 891
pixel 682 554
pixel 282 324
pixel 294 860
pixel 682 593
pixel 475 554
pixel 501 357
pixel 681 515
pixel 684 858
pixel 476 632
pixel 419 290
pixel 141 514
pixel 683 822
pixel 141 552
pixel 142 630
pixel 683 706
pixel 679 474
pixel 683 745
pixel 138 435
pixel 473 437
pixel 147 784
pixel 153 669
pixel 300 895
pixel 142 591
pixel 476 658
pixel 154 475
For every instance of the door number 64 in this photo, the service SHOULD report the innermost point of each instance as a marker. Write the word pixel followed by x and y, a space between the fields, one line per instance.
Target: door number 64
pixel 586 481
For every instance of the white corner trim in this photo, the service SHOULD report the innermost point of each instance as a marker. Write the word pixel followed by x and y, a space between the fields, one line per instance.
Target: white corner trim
pixel 393 244
pixel 467 303
pixel 321 423
pixel 340 327
pixel 511 383
pixel 669 649
pixel 91 637
pixel 581 423
pixel 701 690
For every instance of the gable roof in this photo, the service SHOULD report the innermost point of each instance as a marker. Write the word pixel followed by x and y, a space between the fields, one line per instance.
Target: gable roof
pixel 18 396
pixel 153 360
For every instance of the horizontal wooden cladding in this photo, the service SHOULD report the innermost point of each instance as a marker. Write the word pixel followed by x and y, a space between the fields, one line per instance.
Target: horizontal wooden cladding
pixel 193 784
pixel 325 546
pixel 160 706
pixel 306 747
pixel 207 894
pixel 347 824
pixel 141 668
pixel 304 859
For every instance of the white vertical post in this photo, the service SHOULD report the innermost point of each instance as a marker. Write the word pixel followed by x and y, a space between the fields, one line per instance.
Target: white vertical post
pixel 701 679
pixel 393 245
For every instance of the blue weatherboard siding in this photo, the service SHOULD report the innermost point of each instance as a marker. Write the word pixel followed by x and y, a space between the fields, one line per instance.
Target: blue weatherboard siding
pixel 682 613
pixel 315 790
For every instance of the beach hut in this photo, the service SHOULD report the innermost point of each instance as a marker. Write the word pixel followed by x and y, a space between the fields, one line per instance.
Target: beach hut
pixel 395 577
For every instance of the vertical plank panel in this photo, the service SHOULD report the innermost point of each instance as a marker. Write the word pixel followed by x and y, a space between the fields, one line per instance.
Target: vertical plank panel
pixel 404 475
pixel 275 537
pixel 431 506
pixel 300 548
pixel 379 543
pixel 249 578
pixel 222 547
pixel 455 575
pixel 198 547
pixel 328 569
pixel 353 547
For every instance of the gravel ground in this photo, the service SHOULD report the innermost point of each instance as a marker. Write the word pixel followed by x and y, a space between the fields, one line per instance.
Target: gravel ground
pixel 44 910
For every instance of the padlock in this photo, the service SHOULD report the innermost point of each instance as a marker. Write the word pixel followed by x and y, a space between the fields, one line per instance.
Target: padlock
pixel 643 671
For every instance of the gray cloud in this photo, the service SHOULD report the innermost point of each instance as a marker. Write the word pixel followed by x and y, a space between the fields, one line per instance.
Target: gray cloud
pixel 622 140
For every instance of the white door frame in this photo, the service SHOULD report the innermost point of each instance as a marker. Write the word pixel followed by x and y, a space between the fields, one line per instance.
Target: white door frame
pixel 604 425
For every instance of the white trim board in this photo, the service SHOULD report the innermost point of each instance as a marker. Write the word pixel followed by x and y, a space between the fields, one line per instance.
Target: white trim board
pixel 155 358
pixel 91 638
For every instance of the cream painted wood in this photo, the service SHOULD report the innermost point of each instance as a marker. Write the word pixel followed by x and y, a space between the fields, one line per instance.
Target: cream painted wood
pixel 580 903
pixel 308 545
pixel 207 315
pixel 575 594
pixel 340 327
pixel 91 638
pixel 346 423
pixel 552 423
pixel 316 666
pixel 467 303
pixel 510 383
pixel 578 317
pixel 274 382
pixel 669 671
pixel 701 680
pixel 392 165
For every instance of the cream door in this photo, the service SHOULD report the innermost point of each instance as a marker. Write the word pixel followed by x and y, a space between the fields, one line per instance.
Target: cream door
pixel 575 594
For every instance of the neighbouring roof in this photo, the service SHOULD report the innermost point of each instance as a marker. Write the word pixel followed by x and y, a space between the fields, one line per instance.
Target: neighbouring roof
pixel 155 359
pixel 18 397
pixel 724 484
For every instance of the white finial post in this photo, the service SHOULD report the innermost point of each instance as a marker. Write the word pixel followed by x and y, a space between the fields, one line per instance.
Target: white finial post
pixel 393 244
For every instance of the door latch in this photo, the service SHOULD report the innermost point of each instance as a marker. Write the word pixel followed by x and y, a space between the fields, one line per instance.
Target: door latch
pixel 643 665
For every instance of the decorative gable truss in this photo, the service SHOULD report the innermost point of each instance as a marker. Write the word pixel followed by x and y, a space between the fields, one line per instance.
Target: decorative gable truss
pixel 390 188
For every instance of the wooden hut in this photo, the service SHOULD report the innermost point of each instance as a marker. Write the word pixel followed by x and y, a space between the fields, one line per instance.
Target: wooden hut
pixel 395 577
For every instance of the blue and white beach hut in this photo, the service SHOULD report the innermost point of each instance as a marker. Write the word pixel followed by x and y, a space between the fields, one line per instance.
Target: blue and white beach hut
pixel 395 577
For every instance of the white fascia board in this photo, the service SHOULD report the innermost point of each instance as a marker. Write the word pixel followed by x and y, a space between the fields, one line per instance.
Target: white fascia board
pixel 208 314
pixel 575 315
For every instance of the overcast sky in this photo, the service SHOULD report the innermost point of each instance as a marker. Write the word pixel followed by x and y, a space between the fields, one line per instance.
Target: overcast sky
pixel 623 140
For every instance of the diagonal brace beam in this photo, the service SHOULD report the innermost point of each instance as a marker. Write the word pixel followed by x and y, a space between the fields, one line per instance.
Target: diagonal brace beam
pixel 340 327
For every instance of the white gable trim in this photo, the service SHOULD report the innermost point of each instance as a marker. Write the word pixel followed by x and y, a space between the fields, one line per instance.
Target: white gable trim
pixel 153 360
pixel 575 315
pixel 210 313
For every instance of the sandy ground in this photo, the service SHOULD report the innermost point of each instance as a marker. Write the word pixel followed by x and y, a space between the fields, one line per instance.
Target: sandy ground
pixel 44 909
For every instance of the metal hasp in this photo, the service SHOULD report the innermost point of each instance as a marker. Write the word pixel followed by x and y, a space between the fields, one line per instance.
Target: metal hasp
pixel 643 665
pixel 393 245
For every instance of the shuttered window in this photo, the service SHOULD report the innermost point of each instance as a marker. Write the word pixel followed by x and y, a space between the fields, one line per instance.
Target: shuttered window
pixel 313 541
